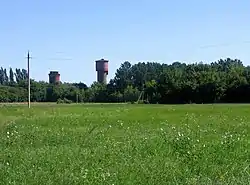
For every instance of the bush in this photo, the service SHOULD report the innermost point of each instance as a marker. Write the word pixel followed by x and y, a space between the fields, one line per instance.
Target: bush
pixel 65 100
pixel 59 101
pixel 140 102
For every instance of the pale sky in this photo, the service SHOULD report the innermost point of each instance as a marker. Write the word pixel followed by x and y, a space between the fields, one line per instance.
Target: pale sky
pixel 143 30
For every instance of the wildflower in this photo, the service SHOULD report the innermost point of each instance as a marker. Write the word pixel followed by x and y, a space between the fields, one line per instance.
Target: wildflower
pixel 161 129
pixel 85 173
pixel 8 133
pixel 103 176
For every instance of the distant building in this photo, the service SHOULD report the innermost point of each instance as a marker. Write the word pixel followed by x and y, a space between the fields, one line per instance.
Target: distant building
pixel 102 70
pixel 54 77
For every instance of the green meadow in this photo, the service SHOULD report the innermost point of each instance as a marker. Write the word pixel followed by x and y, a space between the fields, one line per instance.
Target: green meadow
pixel 125 144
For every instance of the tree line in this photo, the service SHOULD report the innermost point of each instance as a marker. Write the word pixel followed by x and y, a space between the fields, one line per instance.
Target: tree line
pixel 223 81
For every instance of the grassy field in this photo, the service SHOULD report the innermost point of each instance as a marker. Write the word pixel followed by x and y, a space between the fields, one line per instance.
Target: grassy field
pixel 125 144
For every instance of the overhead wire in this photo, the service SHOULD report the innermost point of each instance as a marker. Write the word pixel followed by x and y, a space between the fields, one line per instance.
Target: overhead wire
pixel 223 44
pixel 200 47
pixel 203 48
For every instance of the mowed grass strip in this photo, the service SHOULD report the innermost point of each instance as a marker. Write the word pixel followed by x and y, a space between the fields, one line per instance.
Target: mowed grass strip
pixel 125 144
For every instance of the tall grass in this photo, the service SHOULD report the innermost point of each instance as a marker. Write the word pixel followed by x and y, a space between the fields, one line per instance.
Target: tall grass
pixel 125 144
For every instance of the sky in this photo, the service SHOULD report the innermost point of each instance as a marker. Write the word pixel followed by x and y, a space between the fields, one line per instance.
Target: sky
pixel 69 36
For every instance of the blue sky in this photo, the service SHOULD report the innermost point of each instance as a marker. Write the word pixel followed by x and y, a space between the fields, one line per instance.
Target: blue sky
pixel 136 31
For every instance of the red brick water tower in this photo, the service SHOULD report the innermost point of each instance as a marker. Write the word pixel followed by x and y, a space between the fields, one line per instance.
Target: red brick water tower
pixel 54 77
pixel 102 70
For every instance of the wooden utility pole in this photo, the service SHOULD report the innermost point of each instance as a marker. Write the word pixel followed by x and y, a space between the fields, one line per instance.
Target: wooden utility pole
pixel 28 79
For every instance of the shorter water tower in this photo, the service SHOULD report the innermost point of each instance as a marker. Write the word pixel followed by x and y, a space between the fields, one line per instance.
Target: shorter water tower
pixel 102 70
pixel 54 77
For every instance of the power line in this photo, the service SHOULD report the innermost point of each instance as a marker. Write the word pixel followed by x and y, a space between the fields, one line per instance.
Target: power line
pixel 223 44
pixel 56 58
pixel 53 59
pixel 61 59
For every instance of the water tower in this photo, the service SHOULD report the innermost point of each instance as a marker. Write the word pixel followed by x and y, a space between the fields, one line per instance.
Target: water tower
pixel 102 70
pixel 54 77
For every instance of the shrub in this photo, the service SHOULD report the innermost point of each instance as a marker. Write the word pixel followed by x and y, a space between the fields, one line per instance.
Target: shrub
pixel 65 100
pixel 59 101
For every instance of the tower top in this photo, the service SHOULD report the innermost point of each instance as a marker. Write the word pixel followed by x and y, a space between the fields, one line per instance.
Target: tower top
pixel 102 60
pixel 54 72
pixel 54 77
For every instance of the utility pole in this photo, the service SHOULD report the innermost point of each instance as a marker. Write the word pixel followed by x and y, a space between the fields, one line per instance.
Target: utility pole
pixel 28 79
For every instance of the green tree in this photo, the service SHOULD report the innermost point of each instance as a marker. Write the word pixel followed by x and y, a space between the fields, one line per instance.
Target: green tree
pixel 131 94
pixel 11 76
